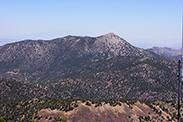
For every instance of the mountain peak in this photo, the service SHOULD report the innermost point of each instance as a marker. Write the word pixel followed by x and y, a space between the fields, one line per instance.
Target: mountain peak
pixel 110 35
pixel 111 38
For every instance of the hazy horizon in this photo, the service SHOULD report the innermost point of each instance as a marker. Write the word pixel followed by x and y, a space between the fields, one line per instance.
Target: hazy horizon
pixel 138 44
pixel 142 23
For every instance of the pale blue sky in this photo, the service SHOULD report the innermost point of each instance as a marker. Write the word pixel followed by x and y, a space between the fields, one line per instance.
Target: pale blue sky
pixel 143 23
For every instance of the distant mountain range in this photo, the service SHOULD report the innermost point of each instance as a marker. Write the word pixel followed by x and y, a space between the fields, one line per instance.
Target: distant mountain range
pixel 167 51
pixel 89 67
pixel 173 54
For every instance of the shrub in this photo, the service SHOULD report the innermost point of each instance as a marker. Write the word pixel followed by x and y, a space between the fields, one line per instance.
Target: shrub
pixel 87 103
pixel 32 120
pixel 2 120
pixel 61 119
pixel 147 118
